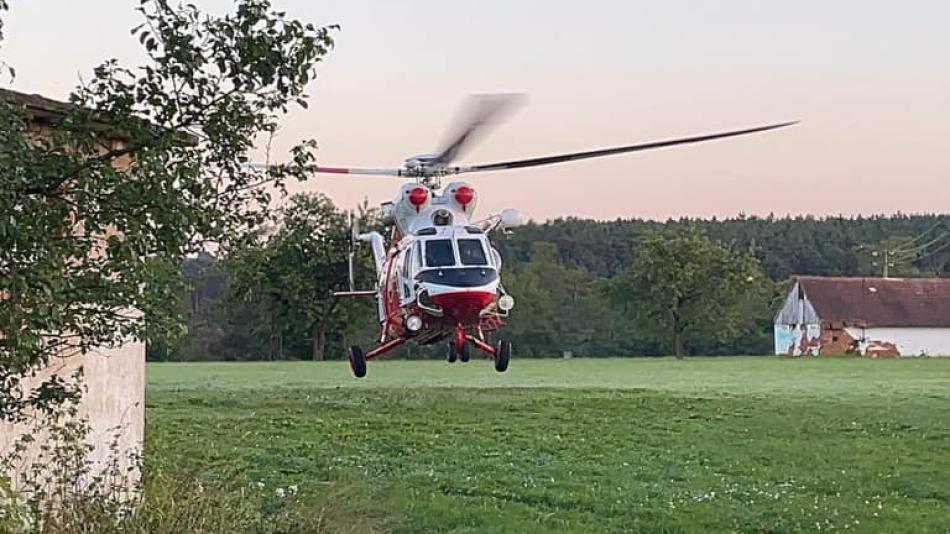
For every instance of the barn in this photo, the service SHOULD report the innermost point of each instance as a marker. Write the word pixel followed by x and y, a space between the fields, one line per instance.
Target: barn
pixel 875 317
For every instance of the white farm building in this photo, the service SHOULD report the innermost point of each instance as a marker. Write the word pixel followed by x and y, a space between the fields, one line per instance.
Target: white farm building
pixel 876 317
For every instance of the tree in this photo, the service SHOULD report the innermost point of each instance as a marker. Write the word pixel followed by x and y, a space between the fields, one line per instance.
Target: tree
pixel 688 283
pixel 89 246
pixel 558 308
pixel 295 271
pixel 531 326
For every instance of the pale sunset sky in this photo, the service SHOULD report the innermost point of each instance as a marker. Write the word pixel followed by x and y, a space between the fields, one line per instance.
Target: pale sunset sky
pixel 870 81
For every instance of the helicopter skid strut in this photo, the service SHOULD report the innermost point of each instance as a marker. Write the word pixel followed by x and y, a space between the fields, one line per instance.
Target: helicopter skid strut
pixel 482 345
pixel 385 347
pixel 499 354
pixel 461 337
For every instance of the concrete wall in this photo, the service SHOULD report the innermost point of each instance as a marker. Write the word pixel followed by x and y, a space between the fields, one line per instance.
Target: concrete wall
pixel 113 404
pixel 905 341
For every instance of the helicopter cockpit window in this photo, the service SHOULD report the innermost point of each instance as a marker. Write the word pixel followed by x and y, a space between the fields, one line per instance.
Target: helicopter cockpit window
pixel 439 253
pixel 471 252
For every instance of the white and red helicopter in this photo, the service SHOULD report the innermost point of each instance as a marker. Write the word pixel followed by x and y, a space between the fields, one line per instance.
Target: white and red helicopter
pixel 438 275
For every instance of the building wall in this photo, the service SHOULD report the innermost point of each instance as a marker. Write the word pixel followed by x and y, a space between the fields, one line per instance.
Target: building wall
pixel 797 327
pixel 812 340
pixel 903 341
pixel 836 340
pixel 113 404
pixel 114 400
pixel 800 331
pixel 797 340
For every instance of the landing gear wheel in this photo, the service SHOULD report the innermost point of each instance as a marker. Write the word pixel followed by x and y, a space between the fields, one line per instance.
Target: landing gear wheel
pixel 466 353
pixel 453 355
pixel 502 355
pixel 357 361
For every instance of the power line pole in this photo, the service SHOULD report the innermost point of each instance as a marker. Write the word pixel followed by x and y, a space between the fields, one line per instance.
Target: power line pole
pixel 909 250
pixel 887 261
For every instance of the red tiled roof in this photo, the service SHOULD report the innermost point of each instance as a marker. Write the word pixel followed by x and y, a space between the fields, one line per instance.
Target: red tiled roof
pixel 879 301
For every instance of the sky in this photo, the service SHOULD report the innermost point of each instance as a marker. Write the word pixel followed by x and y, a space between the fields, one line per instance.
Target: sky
pixel 869 80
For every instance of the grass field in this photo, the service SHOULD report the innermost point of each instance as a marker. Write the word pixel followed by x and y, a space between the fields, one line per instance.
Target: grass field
pixel 653 445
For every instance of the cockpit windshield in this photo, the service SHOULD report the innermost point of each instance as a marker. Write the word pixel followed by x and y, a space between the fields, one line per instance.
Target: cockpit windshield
pixel 473 270
pixel 471 252
pixel 439 253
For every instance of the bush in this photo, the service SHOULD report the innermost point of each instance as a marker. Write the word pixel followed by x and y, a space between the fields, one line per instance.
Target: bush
pixel 60 491
pixel 175 503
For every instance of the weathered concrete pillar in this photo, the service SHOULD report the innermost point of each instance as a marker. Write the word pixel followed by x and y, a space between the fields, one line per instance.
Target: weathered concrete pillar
pixel 113 404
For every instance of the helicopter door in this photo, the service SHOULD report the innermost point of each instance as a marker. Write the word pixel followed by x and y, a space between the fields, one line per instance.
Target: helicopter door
pixel 408 291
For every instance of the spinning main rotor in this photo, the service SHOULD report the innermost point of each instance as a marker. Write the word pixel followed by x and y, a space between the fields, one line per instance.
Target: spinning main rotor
pixel 485 110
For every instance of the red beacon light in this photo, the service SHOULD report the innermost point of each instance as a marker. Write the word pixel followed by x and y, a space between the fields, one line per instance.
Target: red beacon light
pixel 464 195
pixel 418 197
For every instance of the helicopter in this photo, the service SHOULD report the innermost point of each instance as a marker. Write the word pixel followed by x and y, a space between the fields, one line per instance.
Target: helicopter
pixel 438 275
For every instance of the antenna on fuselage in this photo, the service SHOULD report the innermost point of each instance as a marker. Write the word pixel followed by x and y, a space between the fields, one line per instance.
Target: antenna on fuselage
pixel 351 255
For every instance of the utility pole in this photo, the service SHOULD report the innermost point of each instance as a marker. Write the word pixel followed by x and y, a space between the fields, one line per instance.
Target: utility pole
pixel 910 250
pixel 887 261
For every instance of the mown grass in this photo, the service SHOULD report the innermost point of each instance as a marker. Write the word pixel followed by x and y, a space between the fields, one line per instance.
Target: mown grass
pixel 728 444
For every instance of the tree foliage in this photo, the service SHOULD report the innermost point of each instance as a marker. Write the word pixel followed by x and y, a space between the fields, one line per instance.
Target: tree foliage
pixel 293 273
pixel 564 276
pixel 271 296
pixel 144 166
pixel 684 284
pixel 833 246
pixel 558 308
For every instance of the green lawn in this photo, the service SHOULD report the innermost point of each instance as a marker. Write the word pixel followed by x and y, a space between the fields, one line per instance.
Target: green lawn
pixel 734 444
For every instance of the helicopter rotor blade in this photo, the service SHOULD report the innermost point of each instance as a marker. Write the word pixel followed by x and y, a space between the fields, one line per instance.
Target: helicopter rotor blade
pixel 479 112
pixel 560 158
pixel 339 170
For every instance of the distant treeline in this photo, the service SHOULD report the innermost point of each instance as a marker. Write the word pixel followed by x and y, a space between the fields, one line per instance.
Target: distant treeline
pixel 559 273
pixel 786 246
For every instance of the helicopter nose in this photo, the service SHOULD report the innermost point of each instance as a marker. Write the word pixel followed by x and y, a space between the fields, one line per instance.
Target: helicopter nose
pixel 463 306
